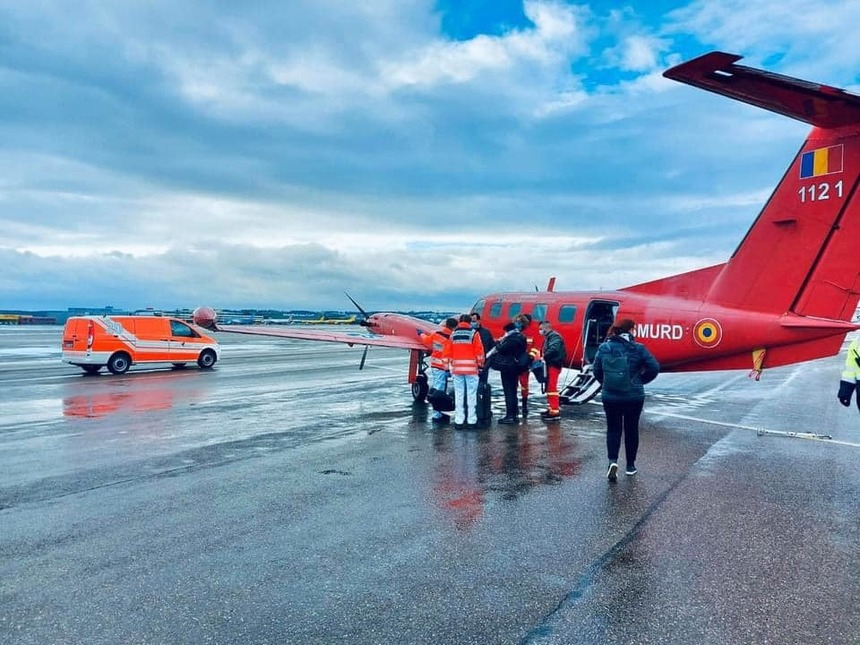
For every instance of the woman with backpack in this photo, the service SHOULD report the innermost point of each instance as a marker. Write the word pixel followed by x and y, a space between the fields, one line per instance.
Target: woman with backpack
pixel 507 358
pixel 623 366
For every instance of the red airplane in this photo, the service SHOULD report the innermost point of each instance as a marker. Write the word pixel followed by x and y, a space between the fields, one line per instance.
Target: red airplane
pixel 786 295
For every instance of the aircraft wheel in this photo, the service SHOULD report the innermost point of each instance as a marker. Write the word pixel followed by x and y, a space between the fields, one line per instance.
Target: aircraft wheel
pixel 119 363
pixel 206 359
pixel 91 369
pixel 420 388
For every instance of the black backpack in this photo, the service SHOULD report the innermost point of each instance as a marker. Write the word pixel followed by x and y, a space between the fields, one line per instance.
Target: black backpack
pixel 616 373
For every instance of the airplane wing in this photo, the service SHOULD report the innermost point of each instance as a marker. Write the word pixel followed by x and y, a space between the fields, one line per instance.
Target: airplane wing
pixel 348 337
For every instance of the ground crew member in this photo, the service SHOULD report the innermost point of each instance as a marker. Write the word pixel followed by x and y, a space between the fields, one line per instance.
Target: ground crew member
pixel 436 343
pixel 553 357
pixel 487 341
pixel 851 376
pixel 465 351
pixel 533 347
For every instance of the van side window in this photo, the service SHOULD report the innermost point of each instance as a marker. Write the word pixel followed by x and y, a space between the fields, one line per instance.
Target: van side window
pixel 495 310
pixel 516 307
pixel 539 313
pixel 567 313
pixel 181 329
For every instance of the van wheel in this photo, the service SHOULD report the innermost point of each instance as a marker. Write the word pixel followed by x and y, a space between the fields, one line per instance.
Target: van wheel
pixel 119 363
pixel 206 359
pixel 91 369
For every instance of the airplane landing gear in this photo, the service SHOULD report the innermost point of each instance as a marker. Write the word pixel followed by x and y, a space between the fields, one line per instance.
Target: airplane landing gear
pixel 420 388
pixel 584 387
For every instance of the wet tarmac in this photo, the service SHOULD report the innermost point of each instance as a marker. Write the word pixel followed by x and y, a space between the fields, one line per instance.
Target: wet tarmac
pixel 286 497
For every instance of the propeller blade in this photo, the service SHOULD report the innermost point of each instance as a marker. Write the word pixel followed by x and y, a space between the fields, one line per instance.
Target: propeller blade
pixel 363 357
pixel 364 322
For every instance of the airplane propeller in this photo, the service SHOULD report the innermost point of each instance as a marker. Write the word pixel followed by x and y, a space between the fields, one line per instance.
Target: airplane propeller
pixel 364 321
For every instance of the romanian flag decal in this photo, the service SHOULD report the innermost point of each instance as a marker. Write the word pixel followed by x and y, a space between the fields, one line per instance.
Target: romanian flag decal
pixel 823 161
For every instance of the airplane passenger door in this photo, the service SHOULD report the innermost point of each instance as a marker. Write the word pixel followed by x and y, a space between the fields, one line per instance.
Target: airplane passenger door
pixel 599 316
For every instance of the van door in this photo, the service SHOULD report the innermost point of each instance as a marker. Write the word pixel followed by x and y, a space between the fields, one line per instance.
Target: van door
pixel 75 335
pixel 185 342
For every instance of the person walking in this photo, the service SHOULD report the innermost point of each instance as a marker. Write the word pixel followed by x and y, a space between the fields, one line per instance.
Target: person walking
pixel 554 355
pixel 850 380
pixel 465 352
pixel 623 367
pixel 505 356
pixel 437 343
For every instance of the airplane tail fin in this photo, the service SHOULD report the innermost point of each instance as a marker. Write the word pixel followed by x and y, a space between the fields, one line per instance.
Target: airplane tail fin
pixel 802 253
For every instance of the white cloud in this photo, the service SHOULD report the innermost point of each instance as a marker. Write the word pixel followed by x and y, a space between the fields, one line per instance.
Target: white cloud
pixel 640 54
pixel 811 38
pixel 555 36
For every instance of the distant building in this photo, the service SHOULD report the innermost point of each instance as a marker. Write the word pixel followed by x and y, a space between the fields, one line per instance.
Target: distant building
pixel 107 310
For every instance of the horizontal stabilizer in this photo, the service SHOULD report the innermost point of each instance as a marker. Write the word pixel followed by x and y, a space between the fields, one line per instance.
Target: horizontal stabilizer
pixel 803 322
pixel 818 105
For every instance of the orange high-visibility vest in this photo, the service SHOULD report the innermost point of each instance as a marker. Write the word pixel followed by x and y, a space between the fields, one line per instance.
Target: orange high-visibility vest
pixel 465 350
pixel 437 342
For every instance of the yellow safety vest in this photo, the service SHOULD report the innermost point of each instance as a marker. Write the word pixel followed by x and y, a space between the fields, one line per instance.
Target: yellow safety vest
pixel 852 362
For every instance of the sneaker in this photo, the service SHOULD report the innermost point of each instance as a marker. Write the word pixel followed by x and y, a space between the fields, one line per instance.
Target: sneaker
pixel 630 470
pixel 508 420
pixel 612 474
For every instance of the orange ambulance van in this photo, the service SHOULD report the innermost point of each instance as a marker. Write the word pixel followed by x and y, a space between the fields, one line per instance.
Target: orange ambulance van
pixel 118 342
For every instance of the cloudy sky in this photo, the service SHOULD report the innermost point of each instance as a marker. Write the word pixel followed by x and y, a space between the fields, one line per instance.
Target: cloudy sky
pixel 417 153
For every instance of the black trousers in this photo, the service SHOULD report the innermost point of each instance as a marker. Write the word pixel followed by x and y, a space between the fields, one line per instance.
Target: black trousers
pixel 622 417
pixel 510 382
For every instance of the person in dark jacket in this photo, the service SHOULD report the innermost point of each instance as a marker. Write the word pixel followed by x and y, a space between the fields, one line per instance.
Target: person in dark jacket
pixel 623 397
pixel 488 341
pixel 524 324
pixel 504 356
pixel 554 355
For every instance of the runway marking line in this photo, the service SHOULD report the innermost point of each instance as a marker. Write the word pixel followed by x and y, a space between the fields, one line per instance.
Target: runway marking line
pixel 762 431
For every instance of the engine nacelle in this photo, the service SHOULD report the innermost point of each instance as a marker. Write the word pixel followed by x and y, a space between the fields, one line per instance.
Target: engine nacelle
pixel 204 317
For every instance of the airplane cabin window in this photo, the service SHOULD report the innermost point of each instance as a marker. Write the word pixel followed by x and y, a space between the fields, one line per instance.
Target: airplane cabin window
pixel 516 307
pixel 567 313
pixel 539 313
pixel 495 310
